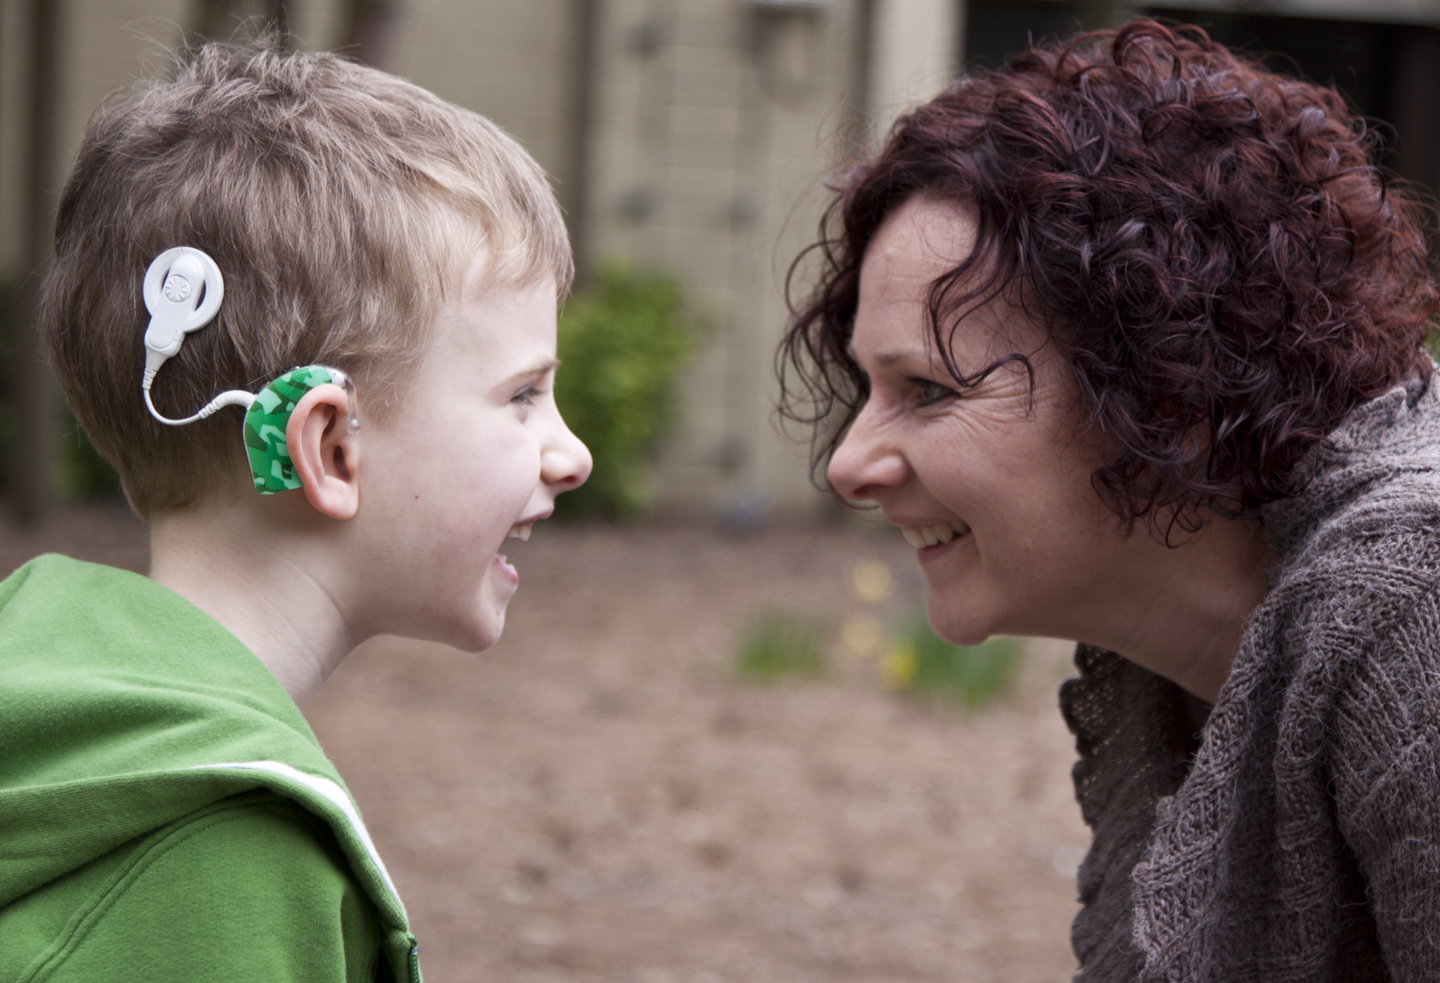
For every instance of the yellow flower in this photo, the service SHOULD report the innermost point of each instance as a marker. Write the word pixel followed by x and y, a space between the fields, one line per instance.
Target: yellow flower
pixel 897 665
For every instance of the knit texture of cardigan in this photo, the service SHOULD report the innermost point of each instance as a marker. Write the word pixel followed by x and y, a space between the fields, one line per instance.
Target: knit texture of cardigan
pixel 1294 834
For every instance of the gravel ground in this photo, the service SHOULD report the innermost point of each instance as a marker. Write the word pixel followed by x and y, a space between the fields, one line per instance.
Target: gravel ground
pixel 599 798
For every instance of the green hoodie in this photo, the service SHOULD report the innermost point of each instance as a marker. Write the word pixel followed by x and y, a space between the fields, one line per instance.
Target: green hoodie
pixel 165 811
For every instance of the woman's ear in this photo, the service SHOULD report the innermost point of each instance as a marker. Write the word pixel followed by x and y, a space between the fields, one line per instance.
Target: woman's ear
pixel 324 454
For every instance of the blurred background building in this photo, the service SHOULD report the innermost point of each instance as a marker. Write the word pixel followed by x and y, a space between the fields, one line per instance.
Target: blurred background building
pixel 693 136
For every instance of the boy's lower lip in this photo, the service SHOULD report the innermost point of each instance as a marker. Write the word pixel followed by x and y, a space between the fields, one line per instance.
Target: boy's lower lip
pixel 931 553
pixel 509 572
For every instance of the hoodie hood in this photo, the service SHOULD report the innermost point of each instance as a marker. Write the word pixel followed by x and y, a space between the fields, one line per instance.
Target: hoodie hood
pixel 123 707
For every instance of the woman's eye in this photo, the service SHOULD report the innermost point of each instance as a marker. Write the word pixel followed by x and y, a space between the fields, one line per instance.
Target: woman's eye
pixel 929 392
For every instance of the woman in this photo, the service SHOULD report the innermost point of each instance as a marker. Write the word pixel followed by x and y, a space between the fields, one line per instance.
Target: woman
pixel 1128 340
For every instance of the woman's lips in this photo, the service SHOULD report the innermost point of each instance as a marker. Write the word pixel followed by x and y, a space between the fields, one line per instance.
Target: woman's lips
pixel 923 537
pixel 928 554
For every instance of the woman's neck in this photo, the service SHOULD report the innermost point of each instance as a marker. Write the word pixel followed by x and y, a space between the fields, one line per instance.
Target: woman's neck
pixel 1180 612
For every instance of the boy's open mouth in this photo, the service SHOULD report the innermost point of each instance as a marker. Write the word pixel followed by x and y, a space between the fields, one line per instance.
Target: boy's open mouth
pixel 520 531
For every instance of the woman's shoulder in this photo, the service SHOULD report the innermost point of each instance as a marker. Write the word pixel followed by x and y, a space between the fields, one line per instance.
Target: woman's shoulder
pixel 1353 605
pixel 1370 569
pixel 1366 524
pixel 1389 528
pixel 1356 613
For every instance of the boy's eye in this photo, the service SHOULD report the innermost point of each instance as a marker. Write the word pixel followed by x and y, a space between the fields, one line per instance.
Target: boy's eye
pixel 527 396
pixel 928 391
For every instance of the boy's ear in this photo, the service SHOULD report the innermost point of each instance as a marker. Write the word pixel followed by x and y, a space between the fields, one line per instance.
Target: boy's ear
pixel 324 454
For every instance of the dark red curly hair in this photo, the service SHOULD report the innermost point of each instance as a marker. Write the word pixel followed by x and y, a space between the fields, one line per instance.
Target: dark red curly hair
pixel 1210 245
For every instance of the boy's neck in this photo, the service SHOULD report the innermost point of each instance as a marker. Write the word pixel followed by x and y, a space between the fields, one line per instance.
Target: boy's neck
pixel 270 590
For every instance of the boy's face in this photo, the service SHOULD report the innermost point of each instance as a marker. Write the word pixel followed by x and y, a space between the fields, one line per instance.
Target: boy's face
pixel 477 450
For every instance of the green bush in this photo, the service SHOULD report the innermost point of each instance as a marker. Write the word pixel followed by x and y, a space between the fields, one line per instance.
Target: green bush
pixel 622 341
pixel 778 644
pixel 921 661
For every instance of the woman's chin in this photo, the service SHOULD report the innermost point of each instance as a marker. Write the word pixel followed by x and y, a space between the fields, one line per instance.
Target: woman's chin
pixel 961 628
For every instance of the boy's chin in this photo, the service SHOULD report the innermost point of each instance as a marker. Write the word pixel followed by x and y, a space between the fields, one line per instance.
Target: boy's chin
pixel 470 627
pixel 490 622
pixel 478 636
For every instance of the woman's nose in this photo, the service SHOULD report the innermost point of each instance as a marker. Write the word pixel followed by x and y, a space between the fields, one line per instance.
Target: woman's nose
pixel 566 462
pixel 866 466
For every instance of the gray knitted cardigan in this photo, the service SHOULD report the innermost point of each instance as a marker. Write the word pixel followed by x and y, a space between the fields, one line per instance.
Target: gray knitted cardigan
pixel 1294 834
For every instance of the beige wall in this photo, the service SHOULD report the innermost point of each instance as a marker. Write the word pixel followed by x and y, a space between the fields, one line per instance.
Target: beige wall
pixel 914 49
pixel 716 123
pixel 505 59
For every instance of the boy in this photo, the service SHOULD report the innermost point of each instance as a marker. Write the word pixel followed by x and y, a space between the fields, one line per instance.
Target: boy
pixel 165 811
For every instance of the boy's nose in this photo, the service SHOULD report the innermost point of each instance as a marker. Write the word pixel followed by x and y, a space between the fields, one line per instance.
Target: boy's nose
pixel 566 462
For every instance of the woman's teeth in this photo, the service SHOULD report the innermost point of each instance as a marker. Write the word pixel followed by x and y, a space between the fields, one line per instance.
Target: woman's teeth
pixel 521 532
pixel 923 536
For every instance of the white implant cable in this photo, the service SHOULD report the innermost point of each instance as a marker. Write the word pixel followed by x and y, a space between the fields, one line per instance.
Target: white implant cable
pixel 231 397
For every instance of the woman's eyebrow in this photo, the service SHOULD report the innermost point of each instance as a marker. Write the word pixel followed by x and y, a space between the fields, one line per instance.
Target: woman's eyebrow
pixel 887 359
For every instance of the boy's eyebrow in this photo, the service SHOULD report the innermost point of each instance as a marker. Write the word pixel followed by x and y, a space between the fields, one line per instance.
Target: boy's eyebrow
pixel 539 368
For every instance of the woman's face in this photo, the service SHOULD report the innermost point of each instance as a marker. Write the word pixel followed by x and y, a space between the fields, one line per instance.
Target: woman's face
pixel 995 478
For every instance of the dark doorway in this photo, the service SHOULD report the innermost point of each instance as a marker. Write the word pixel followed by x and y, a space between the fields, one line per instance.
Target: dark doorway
pixel 1389 72
pixel 995 30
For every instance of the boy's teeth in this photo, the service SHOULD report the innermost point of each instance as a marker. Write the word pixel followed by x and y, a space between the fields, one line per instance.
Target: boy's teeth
pixel 521 532
pixel 922 536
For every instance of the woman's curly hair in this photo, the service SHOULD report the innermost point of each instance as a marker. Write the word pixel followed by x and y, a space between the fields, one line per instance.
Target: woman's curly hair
pixel 1210 245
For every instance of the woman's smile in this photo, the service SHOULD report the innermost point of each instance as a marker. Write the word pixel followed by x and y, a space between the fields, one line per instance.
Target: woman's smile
pixel 932 553
pixel 933 534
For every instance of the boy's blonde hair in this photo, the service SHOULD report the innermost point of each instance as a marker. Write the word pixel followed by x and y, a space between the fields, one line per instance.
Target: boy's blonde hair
pixel 338 202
